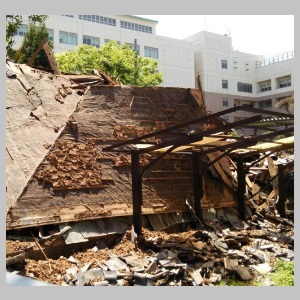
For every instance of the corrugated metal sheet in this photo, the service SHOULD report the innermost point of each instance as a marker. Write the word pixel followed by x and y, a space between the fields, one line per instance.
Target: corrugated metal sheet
pixel 163 221
pixel 82 231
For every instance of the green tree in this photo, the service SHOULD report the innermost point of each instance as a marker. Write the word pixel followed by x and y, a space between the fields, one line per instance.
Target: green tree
pixel 13 23
pixel 118 61
pixel 32 40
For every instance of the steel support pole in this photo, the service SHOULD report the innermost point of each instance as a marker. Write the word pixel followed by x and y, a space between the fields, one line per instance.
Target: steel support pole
pixel 282 190
pixel 136 193
pixel 241 187
pixel 198 186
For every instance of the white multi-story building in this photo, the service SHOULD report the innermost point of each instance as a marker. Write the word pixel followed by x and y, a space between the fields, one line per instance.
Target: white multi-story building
pixel 176 57
pixel 228 77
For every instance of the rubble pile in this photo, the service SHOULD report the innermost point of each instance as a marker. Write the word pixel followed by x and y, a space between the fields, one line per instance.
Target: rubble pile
pixel 197 257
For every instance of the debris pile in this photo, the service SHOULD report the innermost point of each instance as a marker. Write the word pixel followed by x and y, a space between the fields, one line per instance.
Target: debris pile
pixel 196 257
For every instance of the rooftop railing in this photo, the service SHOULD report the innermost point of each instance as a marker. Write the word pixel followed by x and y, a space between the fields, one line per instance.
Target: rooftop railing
pixel 275 59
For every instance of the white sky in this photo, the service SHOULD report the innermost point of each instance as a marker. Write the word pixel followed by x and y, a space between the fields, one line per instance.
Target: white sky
pixel 266 35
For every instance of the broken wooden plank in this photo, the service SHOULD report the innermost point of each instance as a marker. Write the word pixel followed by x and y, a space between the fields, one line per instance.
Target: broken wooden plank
pixel 15 259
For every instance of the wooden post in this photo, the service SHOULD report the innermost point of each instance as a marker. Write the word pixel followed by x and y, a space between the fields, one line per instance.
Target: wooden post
pixel 198 186
pixel 241 187
pixel 136 193
pixel 282 190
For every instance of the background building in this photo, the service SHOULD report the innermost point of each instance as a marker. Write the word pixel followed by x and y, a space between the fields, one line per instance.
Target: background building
pixel 228 77
pixel 176 57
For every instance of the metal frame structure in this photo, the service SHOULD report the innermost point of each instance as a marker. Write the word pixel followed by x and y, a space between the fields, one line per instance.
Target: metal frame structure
pixel 190 140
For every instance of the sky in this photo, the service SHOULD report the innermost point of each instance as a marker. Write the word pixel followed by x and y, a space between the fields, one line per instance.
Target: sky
pixel 267 35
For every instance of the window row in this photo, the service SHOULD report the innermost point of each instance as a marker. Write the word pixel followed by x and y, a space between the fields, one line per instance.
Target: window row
pixel 279 83
pixel 136 27
pixel 71 39
pixel 112 22
pixel 98 19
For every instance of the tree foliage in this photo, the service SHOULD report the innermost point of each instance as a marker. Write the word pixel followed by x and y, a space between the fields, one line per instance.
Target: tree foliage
pixel 118 61
pixel 32 40
pixel 13 23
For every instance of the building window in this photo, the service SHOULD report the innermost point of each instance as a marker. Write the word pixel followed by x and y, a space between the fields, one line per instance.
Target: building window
pixel 98 19
pixel 51 34
pixel 284 83
pixel 225 101
pixel 67 38
pixel 265 87
pixel 132 46
pixel 22 30
pixel 224 84
pixel 265 104
pixel 151 52
pixel 224 64
pixel 244 87
pixel 136 27
pixel 70 16
pixel 89 40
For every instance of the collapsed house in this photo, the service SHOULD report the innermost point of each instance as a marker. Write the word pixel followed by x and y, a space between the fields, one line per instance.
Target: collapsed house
pixel 57 171
pixel 90 158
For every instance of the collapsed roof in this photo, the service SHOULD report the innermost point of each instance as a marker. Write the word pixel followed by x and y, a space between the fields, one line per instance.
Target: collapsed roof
pixel 56 169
